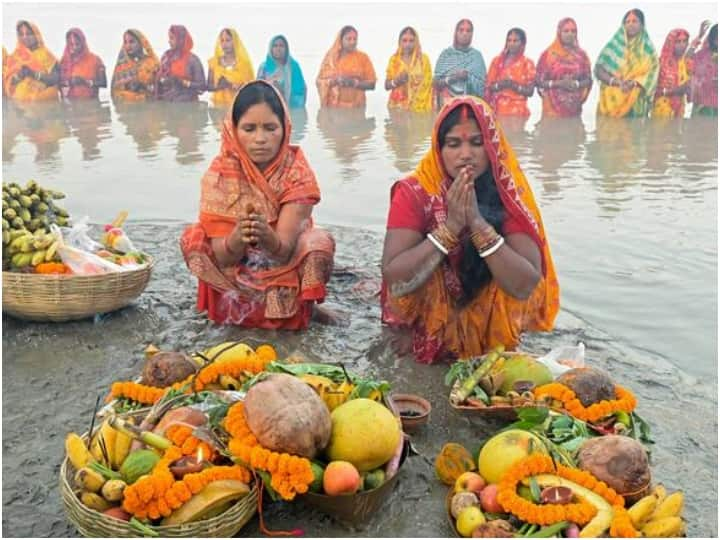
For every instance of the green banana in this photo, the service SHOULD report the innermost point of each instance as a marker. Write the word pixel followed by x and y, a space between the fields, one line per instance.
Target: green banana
pixel 25 201
pixel 51 251
pixel 42 208
pixel 18 223
pixel 15 204
pixel 25 215
pixel 10 213
pixel 17 233
pixel 20 260
pixel 38 257
pixel 5 224
pixel 6 237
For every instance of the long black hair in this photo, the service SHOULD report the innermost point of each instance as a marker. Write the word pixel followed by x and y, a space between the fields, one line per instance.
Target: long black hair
pixel 255 93
pixel 712 38
pixel 473 270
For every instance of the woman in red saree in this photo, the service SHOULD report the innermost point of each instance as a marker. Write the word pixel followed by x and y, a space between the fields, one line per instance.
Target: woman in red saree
pixel 564 74
pixel 673 83
pixel 259 260
pixel 81 72
pixel 466 265
pixel 181 76
pixel 511 78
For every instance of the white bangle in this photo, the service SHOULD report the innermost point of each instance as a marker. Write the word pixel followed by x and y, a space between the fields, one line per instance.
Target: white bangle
pixel 392 83
pixel 437 244
pixel 492 249
pixel 550 84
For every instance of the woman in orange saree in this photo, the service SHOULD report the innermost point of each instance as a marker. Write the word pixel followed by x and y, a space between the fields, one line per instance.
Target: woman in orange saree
pixel 564 74
pixel 674 76
pixel 31 72
pixel 136 68
pixel 259 260
pixel 81 72
pixel 409 75
pixel 466 264
pixel 345 73
pixel 511 78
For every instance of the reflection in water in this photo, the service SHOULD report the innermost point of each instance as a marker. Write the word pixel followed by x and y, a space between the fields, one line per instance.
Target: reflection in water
pixel 143 122
pixel 186 122
pixel 664 137
pixel 42 123
pixel 701 142
pixel 514 129
pixel 346 131
pixel 618 153
pixel 299 119
pixel 89 121
pixel 217 116
pixel 407 135
pixel 556 142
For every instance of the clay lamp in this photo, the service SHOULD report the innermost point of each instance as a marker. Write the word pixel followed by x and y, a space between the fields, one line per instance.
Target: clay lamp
pixel 556 495
pixel 187 465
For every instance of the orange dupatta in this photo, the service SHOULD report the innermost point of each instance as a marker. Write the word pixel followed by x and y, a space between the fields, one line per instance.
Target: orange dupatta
pixel 40 59
pixel 493 317
pixel 128 69
pixel 520 70
pixel 335 64
pixel 85 64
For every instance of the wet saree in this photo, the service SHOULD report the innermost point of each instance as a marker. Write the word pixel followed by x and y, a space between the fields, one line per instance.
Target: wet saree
pixel 704 84
pixel 288 76
pixel 559 62
pixel 257 292
pixel 339 64
pixel 630 60
pixel 133 78
pixel 674 72
pixel 83 64
pixel 184 66
pixel 40 59
pixel 441 327
pixel 453 59
pixel 239 73
pixel 416 94
pixel 519 69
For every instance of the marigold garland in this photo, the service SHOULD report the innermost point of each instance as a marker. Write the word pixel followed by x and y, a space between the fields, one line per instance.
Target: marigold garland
pixel 625 401
pixel 159 494
pixel 181 436
pixel 547 514
pixel 290 474
pixel 149 395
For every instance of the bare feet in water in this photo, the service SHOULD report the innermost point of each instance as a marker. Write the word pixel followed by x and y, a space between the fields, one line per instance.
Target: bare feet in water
pixel 330 317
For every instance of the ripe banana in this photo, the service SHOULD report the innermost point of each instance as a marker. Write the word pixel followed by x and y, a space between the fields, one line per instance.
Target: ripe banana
pixel 77 452
pixel 88 479
pixel 113 490
pixel 229 383
pixel 667 527
pixel 641 511
pixel 94 501
pixel 51 251
pixel 671 506
pixel 122 447
pixel 37 257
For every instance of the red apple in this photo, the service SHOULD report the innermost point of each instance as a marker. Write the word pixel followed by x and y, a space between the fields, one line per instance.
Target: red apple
pixel 470 481
pixel 488 500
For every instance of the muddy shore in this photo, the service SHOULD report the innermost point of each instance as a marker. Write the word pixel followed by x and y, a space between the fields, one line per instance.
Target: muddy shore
pixel 52 374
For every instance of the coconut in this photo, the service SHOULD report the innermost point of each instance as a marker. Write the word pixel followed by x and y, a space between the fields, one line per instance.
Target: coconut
pixel 620 462
pixel 163 369
pixel 590 385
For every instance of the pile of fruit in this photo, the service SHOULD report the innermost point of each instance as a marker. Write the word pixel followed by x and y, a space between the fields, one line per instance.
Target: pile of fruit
pixel 522 484
pixel 515 380
pixel 26 218
pixel 301 427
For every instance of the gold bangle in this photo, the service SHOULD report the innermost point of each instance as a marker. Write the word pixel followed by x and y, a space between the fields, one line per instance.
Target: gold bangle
pixel 483 236
pixel 445 236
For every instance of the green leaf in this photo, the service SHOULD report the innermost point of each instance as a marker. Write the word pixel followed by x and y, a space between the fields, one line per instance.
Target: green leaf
pixel 644 428
pixel 266 483
pixel 481 395
pixel 458 371
pixel 217 414
pixel 534 490
pixel 145 530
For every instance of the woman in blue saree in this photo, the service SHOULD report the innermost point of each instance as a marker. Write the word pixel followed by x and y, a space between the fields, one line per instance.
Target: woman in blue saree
pixel 284 72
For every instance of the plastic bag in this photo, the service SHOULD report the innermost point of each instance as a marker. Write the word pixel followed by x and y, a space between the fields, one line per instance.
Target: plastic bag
pixel 561 359
pixel 79 261
pixel 77 236
pixel 115 238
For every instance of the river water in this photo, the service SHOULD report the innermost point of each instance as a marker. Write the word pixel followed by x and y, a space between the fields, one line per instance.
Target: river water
pixel 630 209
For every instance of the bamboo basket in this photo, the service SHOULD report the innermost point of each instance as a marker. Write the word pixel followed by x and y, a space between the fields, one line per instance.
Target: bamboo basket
pixel 58 298
pixel 93 524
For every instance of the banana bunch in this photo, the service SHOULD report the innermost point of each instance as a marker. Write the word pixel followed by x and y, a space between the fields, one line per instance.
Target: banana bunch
pixel 659 515
pixel 333 394
pixel 24 248
pixel 116 445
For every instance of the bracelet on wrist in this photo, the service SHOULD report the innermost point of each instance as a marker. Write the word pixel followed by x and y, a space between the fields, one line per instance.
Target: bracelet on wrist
pixel 482 238
pixel 437 244
pixel 445 236
pixel 493 248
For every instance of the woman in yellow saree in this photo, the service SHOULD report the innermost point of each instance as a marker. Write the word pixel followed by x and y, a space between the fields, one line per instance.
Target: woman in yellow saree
pixel 627 70
pixel 229 68
pixel 466 265
pixel 345 73
pixel 409 75
pixel 32 72
pixel 136 68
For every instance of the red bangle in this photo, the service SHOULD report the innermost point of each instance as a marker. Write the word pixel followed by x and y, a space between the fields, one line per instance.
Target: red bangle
pixel 226 246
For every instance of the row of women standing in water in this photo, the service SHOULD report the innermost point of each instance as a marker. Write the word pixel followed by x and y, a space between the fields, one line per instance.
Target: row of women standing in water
pixel 633 80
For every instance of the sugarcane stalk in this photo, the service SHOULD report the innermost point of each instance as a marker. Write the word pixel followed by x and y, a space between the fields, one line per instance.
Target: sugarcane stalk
pixel 147 437
pixel 468 385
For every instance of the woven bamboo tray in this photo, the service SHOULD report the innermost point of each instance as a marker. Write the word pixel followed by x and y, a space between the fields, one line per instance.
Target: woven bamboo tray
pixel 501 411
pixel 93 524
pixel 58 298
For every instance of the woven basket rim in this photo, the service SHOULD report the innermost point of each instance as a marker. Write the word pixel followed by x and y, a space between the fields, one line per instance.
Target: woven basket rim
pixel 102 522
pixel 26 276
